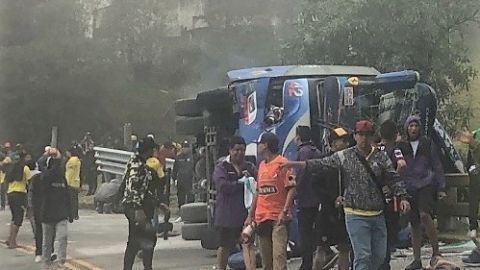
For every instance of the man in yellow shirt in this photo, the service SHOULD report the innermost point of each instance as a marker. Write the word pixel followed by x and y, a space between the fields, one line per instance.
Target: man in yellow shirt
pixel 72 174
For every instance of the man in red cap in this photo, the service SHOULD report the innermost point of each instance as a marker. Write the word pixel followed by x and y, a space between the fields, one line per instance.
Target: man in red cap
pixel 368 176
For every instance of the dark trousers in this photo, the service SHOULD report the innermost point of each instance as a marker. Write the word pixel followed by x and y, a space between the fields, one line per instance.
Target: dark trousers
pixel 38 234
pixel 3 194
pixel 91 179
pixel 184 196
pixel 306 228
pixel 140 237
pixel 74 201
pixel 17 202
pixel 392 220
pixel 473 201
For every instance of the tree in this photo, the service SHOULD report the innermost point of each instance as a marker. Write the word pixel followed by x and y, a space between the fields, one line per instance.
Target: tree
pixel 427 36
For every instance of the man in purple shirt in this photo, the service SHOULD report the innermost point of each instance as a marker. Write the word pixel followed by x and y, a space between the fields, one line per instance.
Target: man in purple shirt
pixel 306 200
pixel 230 211
pixel 425 183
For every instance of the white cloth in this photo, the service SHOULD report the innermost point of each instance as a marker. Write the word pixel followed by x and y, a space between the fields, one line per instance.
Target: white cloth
pixel 414 145
pixel 249 187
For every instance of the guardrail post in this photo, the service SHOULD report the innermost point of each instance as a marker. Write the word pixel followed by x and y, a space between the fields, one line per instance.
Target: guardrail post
pixel 450 208
pixel 127 135
pixel 53 142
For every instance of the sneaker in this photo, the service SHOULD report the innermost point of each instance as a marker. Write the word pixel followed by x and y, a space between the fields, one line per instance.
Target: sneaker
pixel 472 259
pixel 414 265
pixel 38 258
pixel 472 234
pixel 53 257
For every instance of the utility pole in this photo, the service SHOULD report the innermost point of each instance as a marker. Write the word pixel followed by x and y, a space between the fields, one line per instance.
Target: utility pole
pixel 53 142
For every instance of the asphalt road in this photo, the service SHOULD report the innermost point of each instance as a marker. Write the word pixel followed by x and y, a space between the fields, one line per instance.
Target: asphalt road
pixel 97 242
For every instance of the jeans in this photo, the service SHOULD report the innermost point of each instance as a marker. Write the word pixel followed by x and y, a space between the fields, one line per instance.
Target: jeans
pixel 140 237
pixel 368 236
pixel 273 240
pixel 155 221
pixel 59 229
pixel 306 227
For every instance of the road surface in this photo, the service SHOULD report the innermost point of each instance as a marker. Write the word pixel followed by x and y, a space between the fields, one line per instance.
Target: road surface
pixel 97 242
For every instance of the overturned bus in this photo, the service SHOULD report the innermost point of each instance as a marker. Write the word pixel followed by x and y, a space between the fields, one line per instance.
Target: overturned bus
pixel 279 98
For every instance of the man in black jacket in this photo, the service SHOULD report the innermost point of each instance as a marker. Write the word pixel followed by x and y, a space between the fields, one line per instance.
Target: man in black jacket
pixel 139 189
pixel 183 169
pixel 55 209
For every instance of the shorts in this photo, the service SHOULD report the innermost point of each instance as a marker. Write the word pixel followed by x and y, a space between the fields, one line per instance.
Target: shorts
pixel 17 202
pixel 423 200
pixel 228 237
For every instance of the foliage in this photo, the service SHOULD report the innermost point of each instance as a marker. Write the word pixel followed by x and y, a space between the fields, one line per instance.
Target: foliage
pixel 427 36
pixel 94 64
pixel 54 74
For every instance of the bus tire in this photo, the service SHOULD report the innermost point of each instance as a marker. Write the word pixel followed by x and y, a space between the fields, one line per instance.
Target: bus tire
pixel 193 231
pixel 194 212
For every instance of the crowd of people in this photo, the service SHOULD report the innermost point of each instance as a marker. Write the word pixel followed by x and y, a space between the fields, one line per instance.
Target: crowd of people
pixel 355 197
pixel 44 190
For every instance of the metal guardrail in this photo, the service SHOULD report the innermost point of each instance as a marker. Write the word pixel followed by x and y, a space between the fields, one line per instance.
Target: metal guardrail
pixel 112 160
pixel 115 161
pixel 451 206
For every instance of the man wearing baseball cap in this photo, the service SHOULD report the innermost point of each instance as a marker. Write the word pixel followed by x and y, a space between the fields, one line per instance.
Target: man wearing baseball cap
pixel 368 175
pixel 271 208
pixel 139 187
pixel 330 226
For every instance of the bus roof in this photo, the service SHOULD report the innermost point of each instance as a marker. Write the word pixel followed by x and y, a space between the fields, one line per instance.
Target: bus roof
pixel 295 71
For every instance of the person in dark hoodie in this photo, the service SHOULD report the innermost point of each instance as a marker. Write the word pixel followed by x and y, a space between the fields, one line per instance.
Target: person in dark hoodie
pixel 183 169
pixel 425 183
pixel 307 201
pixel 139 188
pixel 330 226
pixel 388 144
pixel 230 210
pixel 55 211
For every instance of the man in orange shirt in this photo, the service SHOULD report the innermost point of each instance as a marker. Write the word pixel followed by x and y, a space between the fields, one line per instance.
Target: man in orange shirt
pixel 272 203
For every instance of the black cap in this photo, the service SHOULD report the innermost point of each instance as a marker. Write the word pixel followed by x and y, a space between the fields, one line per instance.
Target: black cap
pixel 271 140
pixel 304 133
pixel 146 144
